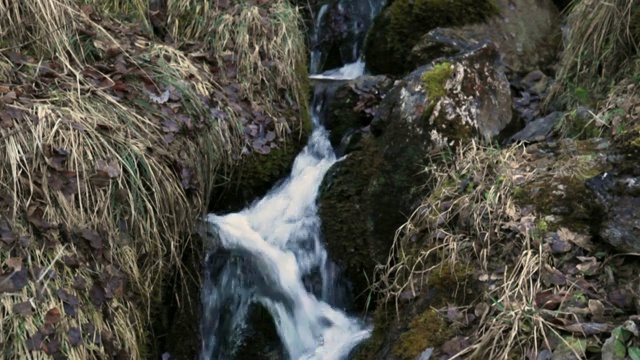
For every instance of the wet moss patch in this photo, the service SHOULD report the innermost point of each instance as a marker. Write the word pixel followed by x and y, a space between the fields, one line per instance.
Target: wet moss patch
pixel 435 79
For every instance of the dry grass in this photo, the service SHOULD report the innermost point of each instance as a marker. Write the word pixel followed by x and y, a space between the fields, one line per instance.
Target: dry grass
pixel 470 221
pixel 273 63
pixel 602 43
pixel 119 175
pixel 469 203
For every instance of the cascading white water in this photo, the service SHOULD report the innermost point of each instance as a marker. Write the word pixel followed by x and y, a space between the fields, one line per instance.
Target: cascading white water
pixel 271 254
pixel 277 242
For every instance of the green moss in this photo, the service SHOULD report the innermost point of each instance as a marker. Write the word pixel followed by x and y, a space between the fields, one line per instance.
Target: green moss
pixel 435 79
pixel 406 21
pixel 428 330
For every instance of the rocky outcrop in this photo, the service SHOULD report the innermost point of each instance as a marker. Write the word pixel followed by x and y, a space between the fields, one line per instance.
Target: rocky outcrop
pixel 618 191
pixel 526 32
pixel 367 196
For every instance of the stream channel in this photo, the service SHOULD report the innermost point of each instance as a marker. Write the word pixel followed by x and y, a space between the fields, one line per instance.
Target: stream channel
pixel 273 253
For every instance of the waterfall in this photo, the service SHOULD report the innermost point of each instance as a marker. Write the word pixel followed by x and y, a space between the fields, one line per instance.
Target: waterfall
pixel 271 254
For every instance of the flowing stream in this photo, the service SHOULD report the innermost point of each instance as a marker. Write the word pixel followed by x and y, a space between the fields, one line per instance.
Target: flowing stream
pixel 271 254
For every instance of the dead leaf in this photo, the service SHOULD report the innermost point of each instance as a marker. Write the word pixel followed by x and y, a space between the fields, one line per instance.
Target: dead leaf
pixel 111 168
pixel 94 239
pixel 53 316
pixel 589 265
pixel 455 345
pixel 552 276
pixel 597 309
pixel 74 336
pixel 14 262
pixel 34 343
pixel 97 295
pixel 454 314
pixel 23 308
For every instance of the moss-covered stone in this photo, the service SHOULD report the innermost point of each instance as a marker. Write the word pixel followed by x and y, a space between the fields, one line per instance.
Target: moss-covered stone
pixel 406 331
pixel 394 33
pixel 560 191
pixel 255 175
pixel 427 330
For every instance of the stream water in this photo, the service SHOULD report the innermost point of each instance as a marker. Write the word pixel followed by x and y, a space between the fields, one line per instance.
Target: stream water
pixel 271 254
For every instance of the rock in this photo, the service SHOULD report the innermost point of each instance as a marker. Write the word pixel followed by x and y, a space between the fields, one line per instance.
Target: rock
pixel 351 108
pixel 619 193
pixel 526 32
pixel 538 130
pixel 400 26
pixel 426 355
pixel 536 82
pixel 367 196
pixel 440 42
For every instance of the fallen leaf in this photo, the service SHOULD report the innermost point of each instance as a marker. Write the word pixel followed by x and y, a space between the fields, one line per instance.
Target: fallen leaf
pixel 597 309
pixel 455 345
pixel 53 316
pixel 23 308
pixel 454 314
pixel 74 336
pixel 52 346
pixel 552 276
pixel 34 343
pixel 94 239
pixel 14 262
pixel 97 295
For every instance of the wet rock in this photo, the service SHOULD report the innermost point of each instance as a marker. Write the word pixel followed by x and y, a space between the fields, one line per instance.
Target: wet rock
pixel 367 196
pixel 440 42
pixel 538 130
pixel 342 27
pixel 619 193
pixel 351 108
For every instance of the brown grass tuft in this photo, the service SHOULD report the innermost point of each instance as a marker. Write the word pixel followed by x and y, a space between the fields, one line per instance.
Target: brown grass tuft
pixel 600 48
pixel 470 220
pixel 93 187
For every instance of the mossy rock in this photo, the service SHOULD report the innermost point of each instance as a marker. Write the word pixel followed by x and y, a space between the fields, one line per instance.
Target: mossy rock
pixel 558 190
pixel 369 195
pixel 402 25
pixel 352 107
pixel 403 333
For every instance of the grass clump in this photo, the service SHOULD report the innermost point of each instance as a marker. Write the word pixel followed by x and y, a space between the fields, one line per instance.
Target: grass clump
pixel 600 47
pixel 110 142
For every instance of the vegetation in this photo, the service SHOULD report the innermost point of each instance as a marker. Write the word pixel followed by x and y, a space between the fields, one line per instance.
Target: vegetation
pixel 114 120
pixel 436 79
pixel 599 64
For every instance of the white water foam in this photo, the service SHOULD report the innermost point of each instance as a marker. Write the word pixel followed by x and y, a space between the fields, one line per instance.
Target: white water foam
pixel 347 72
pixel 279 236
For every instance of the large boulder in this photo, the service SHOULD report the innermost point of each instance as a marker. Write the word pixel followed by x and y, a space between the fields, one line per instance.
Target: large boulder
pixel 526 32
pixel 368 195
